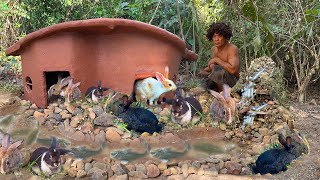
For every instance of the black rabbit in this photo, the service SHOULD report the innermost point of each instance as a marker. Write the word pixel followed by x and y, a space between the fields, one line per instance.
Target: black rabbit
pixel 138 119
pixel 275 160
pixel 95 93
pixel 184 110
pixel 47 161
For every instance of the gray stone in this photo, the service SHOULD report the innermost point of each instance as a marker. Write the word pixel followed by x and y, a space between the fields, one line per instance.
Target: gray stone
pixel 98 110
pixel 119 169
pixel 142 168
pixel 105 120
pixel 138 174
pixel 87 166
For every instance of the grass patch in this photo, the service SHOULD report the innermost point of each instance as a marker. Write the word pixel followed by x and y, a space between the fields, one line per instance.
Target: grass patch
pixel 10 87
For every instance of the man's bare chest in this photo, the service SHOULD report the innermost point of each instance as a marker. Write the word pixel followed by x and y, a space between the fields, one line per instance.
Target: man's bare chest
pixel 223 55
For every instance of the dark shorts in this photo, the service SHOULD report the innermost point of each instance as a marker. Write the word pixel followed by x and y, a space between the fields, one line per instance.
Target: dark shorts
pixel 220 76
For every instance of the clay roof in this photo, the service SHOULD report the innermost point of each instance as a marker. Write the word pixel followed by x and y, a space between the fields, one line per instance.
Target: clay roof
pixel 101 25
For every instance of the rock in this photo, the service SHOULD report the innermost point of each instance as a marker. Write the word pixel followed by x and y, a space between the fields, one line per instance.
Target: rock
pixel 153 171
pixel 105 120
pixel 78 164
pixel 223 157
pixel 29 112
pixel 192 170
pixel 100 138
pixel 87 167
pixel 100 165
pixel 141 167
pixel 257 149
pixel 223 127
pixel 162 166
pixel 233 167
pixel 70 108
pixel 166 172
pixel 122 177
pixel 87 127
pixel 81 174
pixel 263 131
pixel 67 164
pixel 98 110
pixel 185 169
pixel 112 136
pixel 119 169
pixel 201 171
pixel 55 116
pixel 72 172
pixel 212 172
pixel 38 114
pixel 165 112
pixel 25 103
pixel 78 136
pixel 137 174
pixel 57 110
pixel 41 120
pixel 99 175
pixel 65 115
pixel 245 171
pixel 224 171
pixel 74 123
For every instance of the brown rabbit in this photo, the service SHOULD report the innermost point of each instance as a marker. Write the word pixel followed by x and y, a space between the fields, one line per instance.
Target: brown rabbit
pixel 223 106
pixel 72 91
pixel 59 88
pixel 10 156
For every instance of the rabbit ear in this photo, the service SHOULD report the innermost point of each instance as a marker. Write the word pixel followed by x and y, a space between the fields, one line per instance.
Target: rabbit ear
pixel 169 101
pixel 218 96
pixel 6 141
pixel 160 77
pixel 53 143
pixel 226 91
pixel 66 81
pixel 64 151
pixel 99 83
pixel 284 141
pixel 76 85
pixel 166 72
pixel 15 145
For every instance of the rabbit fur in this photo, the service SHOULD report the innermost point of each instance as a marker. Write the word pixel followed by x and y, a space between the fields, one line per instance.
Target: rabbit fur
pixel 223 106
pixel 10 156
pixel 276 160
pixel 65 88
pixel 138 119
pixel 184 110
pixel 150 89
pixel 47 161
pixel 96 93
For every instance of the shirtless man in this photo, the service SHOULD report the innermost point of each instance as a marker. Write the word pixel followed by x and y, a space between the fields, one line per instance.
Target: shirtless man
pixel 225 57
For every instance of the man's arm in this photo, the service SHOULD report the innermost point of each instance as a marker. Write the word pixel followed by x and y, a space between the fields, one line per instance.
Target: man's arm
pixel 232 65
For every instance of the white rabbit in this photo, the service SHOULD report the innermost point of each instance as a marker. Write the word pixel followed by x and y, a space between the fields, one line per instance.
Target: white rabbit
pixel 151 89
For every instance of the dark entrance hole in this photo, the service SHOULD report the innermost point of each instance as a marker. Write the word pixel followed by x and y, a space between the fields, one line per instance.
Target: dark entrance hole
pixel 52 78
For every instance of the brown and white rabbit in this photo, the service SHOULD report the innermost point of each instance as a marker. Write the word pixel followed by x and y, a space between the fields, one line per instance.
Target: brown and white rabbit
pixel 151 89
pixel 185 110
pixel 223 106
pixel 58 89
pixel 47 161
pixel 10 156
pixel 96 93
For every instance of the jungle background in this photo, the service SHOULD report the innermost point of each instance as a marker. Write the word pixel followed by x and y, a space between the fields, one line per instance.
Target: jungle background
pixel 286 31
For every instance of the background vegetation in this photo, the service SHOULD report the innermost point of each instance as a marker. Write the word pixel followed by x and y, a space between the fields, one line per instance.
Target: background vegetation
pixel 287 31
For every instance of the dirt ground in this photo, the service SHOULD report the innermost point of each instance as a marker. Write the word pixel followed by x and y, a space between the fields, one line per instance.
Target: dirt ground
pixel 304 168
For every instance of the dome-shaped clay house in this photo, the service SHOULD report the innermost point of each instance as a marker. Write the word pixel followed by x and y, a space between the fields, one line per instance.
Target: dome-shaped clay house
pixel 116 51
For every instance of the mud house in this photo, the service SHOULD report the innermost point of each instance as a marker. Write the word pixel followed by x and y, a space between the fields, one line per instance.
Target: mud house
pixel 116 51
